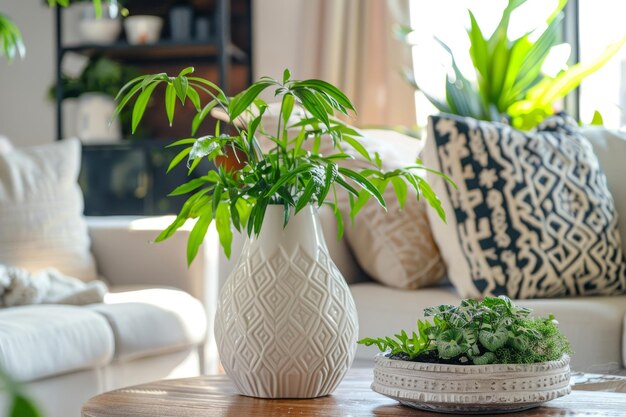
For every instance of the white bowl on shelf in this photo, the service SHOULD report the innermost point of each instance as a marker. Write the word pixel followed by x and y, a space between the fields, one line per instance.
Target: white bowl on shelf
pixel 103 30
pixel 143 29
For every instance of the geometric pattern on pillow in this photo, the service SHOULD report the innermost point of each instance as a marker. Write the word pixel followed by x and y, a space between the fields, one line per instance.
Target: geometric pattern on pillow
pixel 532 216
pixel 395 246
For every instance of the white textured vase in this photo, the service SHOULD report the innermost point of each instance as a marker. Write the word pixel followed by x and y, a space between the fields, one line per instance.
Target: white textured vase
pixel 286 324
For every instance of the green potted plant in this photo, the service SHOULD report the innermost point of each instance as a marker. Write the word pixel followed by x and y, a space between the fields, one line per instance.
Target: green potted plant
pixel 479 357
pixel 286 324
pixel 510 85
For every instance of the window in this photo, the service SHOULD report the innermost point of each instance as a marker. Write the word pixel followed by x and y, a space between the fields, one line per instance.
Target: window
pixel 600 23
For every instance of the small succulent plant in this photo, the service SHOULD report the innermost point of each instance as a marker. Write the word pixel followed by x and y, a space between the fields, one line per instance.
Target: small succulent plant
pixel 491 331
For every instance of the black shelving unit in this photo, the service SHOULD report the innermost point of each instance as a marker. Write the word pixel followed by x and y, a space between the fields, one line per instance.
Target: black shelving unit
pixel 129 177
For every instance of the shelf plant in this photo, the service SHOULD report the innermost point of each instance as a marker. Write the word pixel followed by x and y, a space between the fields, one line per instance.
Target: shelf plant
pixel 510 84
pixel 493 331
pixel 292 173
pixel 11 40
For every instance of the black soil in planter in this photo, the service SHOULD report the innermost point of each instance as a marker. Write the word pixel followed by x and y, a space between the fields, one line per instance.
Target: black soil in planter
pixel 429 357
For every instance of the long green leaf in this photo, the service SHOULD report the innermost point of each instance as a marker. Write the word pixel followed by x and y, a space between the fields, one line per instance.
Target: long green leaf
pixel 222 223
pixel 286 108
pixel 181 85
pixel 187 141
pixel 201 115
pixel 244 99
pixel 196 237
pixel 569 79
pixel 125 100
pixel 306 195
pixel 178 158
pixel 288 177
pixel 181 218
pixel 23 407
pixel 189 186
pixel 194 97
pixel 329 89
pixel 400 189
pixel 170 103
pixel 364 183
pixel 313 105
pixel 141 103
pixel 357 146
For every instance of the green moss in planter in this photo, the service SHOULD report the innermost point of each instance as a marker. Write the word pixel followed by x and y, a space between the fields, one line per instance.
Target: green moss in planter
pixel 492 331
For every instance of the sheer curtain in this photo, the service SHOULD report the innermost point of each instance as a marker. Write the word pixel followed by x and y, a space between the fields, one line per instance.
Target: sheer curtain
pixel 350 43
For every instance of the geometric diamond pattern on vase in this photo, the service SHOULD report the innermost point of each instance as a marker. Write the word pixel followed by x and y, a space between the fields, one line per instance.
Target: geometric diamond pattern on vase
pixel 532 215
pixel 286 324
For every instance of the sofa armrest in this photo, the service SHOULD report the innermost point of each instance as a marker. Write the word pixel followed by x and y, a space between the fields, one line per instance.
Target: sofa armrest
pixel 125 254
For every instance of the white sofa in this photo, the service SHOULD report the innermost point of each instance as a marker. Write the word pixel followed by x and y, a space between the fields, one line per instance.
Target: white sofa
pixel 596 326
pixel 146 329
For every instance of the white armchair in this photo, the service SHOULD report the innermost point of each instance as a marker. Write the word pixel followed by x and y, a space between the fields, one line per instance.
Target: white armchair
pixel 146 329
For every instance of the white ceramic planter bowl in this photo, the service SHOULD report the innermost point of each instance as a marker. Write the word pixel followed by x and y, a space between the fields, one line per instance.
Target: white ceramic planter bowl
pixel 102 31
pixel 471 389
pixel 143 29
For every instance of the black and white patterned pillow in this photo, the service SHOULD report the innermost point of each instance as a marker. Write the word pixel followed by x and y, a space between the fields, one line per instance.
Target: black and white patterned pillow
pixel 532 216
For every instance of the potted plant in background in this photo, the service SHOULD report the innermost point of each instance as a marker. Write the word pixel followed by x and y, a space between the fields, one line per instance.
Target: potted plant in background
pixel 479 357
pixel 286 324
pixel 95 89
pixel 510 83
pixel 99 22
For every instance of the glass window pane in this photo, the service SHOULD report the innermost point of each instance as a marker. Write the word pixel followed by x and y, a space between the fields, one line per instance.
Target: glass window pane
pixel 448 20
pixel 601 22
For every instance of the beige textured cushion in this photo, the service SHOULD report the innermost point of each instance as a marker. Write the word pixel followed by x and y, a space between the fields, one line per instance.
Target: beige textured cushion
pixel 395 247
pixel 41 205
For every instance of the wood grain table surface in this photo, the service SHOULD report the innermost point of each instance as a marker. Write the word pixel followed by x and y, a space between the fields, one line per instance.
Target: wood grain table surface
pixel 215 396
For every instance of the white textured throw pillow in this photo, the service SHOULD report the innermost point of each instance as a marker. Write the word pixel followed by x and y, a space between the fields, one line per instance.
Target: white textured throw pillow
pixel 41 206
pixel 394 247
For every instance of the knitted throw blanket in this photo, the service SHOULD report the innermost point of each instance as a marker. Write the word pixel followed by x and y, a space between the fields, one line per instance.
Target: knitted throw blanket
pixel 48 286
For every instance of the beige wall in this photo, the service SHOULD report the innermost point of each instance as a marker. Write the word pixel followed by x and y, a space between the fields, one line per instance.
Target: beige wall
pixel 26 115
pixel 275 39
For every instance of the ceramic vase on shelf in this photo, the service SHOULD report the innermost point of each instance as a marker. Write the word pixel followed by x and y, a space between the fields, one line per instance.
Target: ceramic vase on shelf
pixel 286 324
pixel 94 119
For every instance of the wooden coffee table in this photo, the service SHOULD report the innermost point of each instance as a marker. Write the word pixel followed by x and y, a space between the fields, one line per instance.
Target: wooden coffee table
pixel 215 396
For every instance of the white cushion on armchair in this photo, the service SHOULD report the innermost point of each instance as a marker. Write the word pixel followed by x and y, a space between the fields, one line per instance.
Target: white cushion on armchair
pixel 41 341
pixel 152 321
pixel 41 206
